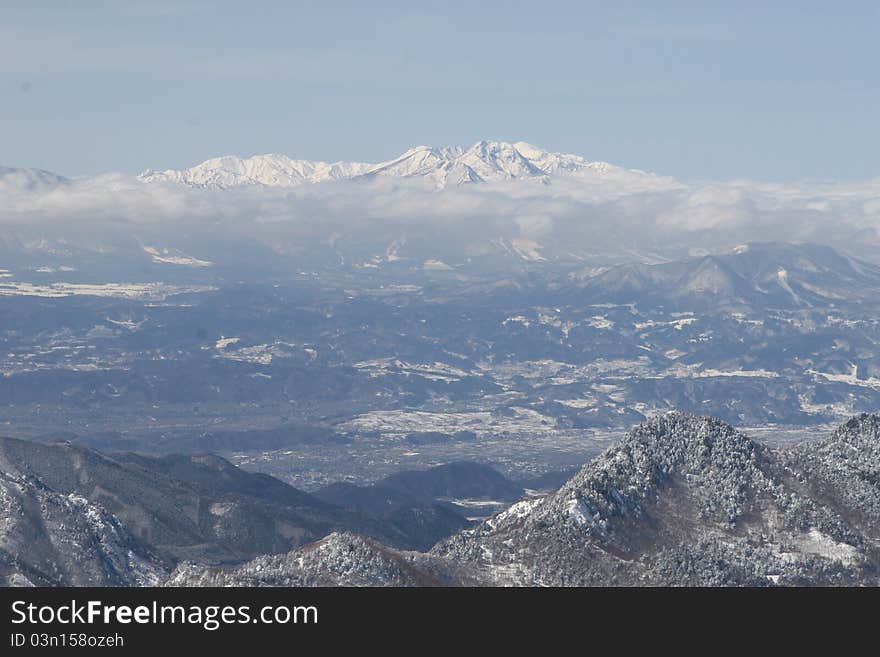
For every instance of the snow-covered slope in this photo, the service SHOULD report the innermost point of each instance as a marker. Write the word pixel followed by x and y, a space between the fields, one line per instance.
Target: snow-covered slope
pixel 687 500
pixel 48 538
pixel 682 500
pixel 485 161
pixel 759 274
pixel 269 170
pixel 340 559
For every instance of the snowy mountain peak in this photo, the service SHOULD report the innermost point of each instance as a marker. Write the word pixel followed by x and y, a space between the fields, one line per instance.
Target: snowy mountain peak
pixel 270 170
pixel 528 150
pixel 484 161
pixel 688 500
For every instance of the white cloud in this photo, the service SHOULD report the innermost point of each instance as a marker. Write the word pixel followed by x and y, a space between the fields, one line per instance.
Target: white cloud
pixel 570 213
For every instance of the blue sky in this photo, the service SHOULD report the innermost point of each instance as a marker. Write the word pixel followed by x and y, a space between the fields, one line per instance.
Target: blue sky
pixel 699 90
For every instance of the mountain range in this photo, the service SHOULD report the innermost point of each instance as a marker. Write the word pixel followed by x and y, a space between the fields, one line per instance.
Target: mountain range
pixel 755 275
pixel 75 516
pixel 30 179
pixel 485 161
pixel 689 500
pixel 681 500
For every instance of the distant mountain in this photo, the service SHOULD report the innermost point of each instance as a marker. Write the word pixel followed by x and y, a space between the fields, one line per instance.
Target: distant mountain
pixel 30 179
pixel 682 500
pixel 759 275
pixel 451 481
pixel 270 170
pixel 453 165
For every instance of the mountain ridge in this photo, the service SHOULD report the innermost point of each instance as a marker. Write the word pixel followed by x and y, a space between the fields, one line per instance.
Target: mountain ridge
pixel 128 518
pixel 484 161
pixel 757 274
pixel 682 500
pixel 677 488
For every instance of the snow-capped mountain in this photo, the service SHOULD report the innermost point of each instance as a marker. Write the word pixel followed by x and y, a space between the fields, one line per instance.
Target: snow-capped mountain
pixel 485 161
pixel 269 170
